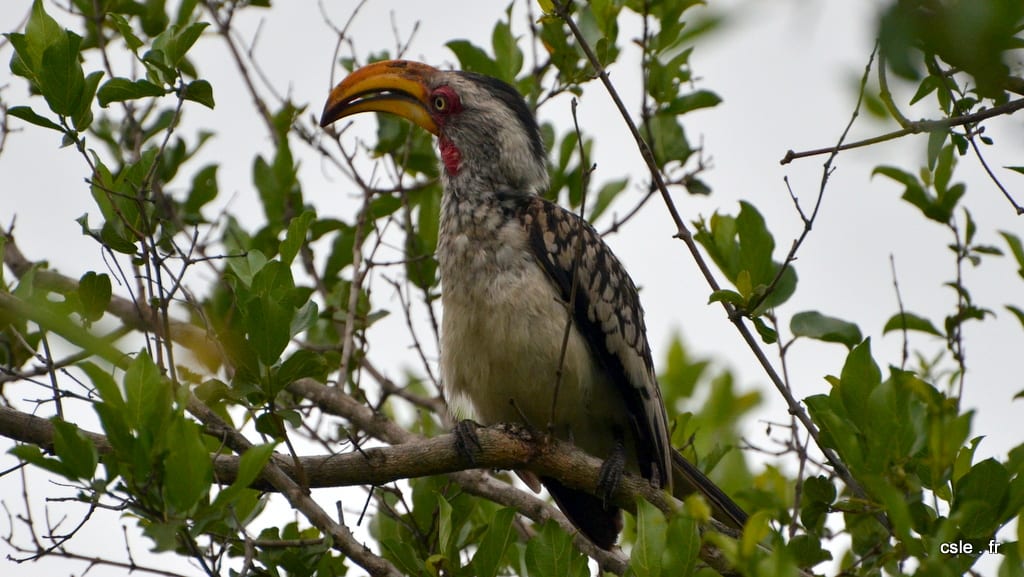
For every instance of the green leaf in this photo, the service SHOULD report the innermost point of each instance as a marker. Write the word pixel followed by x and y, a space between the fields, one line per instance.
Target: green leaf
pixel 302 364
pixel 82 118
pixel 272 191
pixel 814 325
pixel 981 493
pixel 268 315
pixel 165 535
pixel 53 317
pixel 717 236
pixel 693 101
pixel 428 219
pixel 835 428
pixel 22 63
pixel 472 58
pixel 497 538
pixel 296 235
pixel 742 248
pixel 32 455
pixel 267 322
pixel 964 459
pixel 199 91
pixel 147 395
pixel 94 291
pixel 818 495
pixel 303 318
pixel 651 529
pixel 153 17
pixel 28 115
pixel 444 523
pixel 41 32
pixel 819 489
pixel 116 238
pixel 756 245
pixel 668 140
pixel 384 206
pixel 157 70
pixel 698 187
pixel 754 532
pixel 936 140
pixel 551 552
pixel 420 264
pixel 1016 248
pixel 125 29
pixel 807 551
pixel 247 268
pixel 767 333
pixel 122 89
pixel 104 384
pixel 61 79
pixel 944 165
pixel 1017 312
pixel 858 379
pixel 901 176
pixel 1013 554
pixel 910 322
pixel 915 193
pixel 188 466
pixel 730 296
pixel 250 465
pixel 184 38
pixel 608 192
pixel 204 189
pixel 927 86
pixel 679 559
pixel 507 55
pixel 74 450
pixel 404 556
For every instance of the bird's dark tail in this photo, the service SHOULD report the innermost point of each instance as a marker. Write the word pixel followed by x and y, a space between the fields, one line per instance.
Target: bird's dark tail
pixel 598 522
pixel 602 523
pixel 687 479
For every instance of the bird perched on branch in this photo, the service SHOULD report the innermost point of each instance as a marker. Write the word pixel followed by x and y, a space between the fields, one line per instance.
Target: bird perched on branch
pixel 542 325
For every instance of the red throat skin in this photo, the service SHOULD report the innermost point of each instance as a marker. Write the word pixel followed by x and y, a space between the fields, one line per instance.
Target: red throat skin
pixel 450 156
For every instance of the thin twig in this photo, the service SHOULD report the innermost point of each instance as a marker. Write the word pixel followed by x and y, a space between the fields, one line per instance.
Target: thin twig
pixel 992 175
pixel 915 127
pixel 886 95
pixel 903 314
pixel 826 173
pixel 570 306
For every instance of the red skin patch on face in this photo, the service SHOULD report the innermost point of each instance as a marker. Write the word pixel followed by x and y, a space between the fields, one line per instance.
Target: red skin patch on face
pixel 444 103
pixel 450 156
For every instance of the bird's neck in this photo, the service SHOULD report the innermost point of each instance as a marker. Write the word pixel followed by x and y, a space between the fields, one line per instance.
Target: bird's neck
pixel 474 169
pixel 479 211
pixel 474 227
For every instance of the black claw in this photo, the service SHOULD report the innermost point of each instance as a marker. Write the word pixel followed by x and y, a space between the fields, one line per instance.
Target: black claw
pixel 466 441
pixel 611 474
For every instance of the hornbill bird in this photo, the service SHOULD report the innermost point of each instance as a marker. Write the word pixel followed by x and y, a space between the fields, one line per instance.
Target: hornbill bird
pixel 507 260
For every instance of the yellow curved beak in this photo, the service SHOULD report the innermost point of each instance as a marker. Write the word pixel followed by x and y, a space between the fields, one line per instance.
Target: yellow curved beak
pixel 395 86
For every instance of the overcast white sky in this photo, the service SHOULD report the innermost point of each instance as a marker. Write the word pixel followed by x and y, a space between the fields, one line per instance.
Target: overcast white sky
pixel 786 70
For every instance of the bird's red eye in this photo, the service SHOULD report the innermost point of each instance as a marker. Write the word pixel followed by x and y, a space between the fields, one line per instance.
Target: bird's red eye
pixel 440 102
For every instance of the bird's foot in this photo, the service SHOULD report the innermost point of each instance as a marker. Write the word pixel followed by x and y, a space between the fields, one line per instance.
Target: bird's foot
pixel 611 474
pixel 466 441
pixel 525 422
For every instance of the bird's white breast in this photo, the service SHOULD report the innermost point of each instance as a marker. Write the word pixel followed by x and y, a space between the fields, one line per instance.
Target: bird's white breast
pixel 502 334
